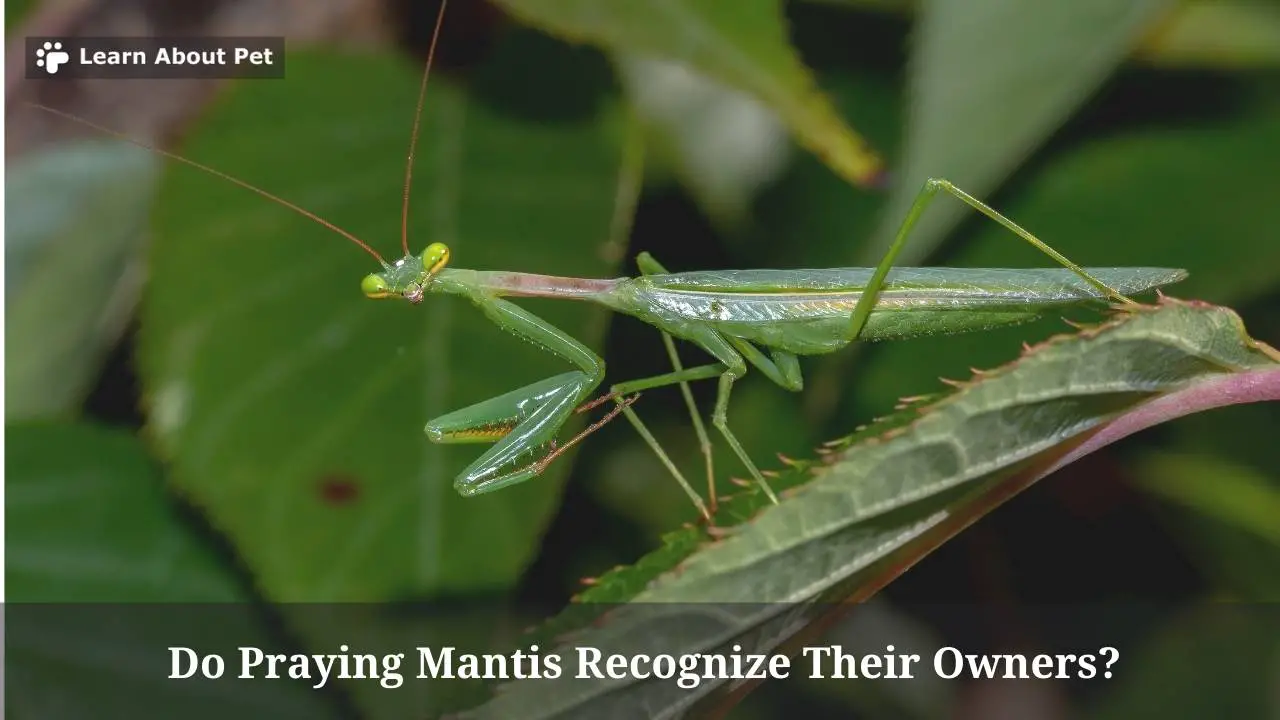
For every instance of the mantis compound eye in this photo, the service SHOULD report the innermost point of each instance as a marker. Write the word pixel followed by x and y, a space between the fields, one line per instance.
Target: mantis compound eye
pixel 374 286
pixel 435 257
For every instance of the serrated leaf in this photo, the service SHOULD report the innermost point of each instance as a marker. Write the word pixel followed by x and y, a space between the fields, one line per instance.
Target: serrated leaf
pixel 89 524
pixel 291 406
pixel 72 243
pixel 979 108
pixel 741 43
pixel 887 500
pixel 1057 395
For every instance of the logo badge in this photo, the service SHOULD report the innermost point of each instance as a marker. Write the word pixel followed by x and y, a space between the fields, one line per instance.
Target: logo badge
pixel 51 56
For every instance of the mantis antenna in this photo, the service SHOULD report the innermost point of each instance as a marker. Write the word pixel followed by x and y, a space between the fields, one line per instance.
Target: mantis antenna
pixel 408 173
pixel 217 173
pixel 417 121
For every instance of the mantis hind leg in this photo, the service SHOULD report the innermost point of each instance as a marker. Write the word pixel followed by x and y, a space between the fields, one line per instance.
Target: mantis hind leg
pixel 862 311
pixel 735 367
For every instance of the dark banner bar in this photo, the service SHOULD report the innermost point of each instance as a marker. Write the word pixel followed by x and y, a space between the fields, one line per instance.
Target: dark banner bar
pixel 420 661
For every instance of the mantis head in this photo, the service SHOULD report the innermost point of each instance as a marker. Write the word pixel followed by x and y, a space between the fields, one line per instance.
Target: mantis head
pixel 408 277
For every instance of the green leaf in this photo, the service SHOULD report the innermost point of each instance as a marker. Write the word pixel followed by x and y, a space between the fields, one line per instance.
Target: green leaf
pixel 89 523
pixel 1196 33
pixel 875 508
pixel 742 43
pixel 1217 33
pixel 980 107
pixel 291 406
pixel 72 249
pixel 811 218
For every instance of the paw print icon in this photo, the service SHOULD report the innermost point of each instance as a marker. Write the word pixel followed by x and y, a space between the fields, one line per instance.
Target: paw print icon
pixel 51 56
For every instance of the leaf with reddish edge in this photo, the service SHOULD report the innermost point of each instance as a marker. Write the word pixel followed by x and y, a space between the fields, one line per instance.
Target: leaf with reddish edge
pixel 887 496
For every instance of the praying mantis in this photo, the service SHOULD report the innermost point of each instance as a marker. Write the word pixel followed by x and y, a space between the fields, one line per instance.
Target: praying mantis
pixel 743 319
pixel 732 315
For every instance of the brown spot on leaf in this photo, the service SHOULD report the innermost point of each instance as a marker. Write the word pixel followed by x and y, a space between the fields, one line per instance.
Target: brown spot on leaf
pixel 339 489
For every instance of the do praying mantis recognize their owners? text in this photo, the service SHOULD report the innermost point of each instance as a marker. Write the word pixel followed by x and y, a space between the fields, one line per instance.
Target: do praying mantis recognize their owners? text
pixel 733 315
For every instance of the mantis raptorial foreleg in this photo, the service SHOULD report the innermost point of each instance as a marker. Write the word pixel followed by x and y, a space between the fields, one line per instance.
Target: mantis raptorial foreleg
pixel 490 420
pixel 521 434
pixel 527 419
pixel 862 310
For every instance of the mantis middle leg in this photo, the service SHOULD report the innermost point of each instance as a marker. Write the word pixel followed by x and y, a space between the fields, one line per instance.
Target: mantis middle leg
pixel 733 354
pixel 732 365
pixel 862 310
pixel 649 266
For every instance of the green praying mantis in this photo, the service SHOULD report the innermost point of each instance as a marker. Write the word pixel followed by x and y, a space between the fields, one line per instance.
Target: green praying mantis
pixel 762 319
pixel 734 316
